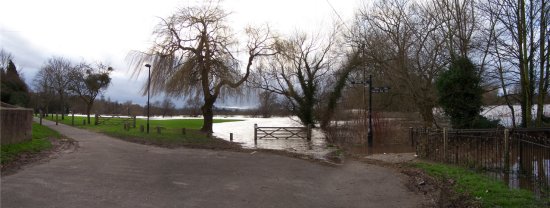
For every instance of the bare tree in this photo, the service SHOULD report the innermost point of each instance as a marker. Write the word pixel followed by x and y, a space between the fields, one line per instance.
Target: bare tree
pixel 195 54
pixel 458 19
pixel 403 44
pixel 297 73
pixel 168 107
pixel 5 57
pixel 44 91
pixel 55 74
pixel 520 38
pixel 88 81
pixel 544 59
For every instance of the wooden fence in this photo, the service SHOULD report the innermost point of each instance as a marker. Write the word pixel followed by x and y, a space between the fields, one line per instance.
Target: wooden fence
pixel 281 133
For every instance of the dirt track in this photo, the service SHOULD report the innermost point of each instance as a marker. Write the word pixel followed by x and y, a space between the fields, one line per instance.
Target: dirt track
pixel 107 172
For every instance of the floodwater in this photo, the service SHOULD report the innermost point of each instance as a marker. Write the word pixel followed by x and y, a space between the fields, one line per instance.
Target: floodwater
pixel 536 179
pixel 243 133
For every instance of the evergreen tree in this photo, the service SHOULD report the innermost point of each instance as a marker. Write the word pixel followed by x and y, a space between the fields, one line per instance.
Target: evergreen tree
pixel 13 89
pixel 460 93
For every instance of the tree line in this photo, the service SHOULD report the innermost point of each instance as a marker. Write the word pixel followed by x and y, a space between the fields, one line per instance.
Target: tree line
pixel 57 82
pixel 406 44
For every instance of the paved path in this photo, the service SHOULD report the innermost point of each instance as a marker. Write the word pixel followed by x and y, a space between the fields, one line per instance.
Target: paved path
pixel 107 172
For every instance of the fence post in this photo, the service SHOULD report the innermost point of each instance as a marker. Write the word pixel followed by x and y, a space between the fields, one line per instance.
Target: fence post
pixel 56 118
pixel 96 119
pixel 134 122
pixel 84 122
pixel 158 129
pixel 520 154
pixel 445 144
pixel 183 131
pixel 255 134
pixel 506 149
pixel 72 119
pixel 231 137
pixel 141 128
pixel 309 132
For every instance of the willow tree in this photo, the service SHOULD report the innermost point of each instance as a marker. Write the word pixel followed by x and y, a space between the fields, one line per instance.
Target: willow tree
pixel 195 54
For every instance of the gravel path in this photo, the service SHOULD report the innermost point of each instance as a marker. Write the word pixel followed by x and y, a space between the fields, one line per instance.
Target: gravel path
pixel 107 172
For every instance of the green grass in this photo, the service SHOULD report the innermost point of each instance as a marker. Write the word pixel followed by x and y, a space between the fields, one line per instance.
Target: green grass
pixel 38 143
pixel 171 132
pixel 489 191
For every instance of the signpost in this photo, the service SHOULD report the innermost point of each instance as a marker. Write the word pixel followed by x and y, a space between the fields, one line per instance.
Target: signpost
pixel 383 89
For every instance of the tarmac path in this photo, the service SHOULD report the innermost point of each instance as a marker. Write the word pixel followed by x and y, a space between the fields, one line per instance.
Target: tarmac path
pixel 108 172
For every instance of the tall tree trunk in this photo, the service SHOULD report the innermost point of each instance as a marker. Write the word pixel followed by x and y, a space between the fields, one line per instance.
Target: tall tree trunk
pixel 62 100
pixel 427 114
pixel 88 110
pixel 208 116
pixel 543 79
pixel 524 66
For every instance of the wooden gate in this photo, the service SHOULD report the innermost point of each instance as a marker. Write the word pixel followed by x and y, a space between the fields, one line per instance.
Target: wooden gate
pixel 281 132
pixel 115 120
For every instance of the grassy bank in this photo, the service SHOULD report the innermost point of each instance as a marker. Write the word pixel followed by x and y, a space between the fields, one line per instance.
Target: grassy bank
pixel 171 131
pixel 489 191
pixel 39 142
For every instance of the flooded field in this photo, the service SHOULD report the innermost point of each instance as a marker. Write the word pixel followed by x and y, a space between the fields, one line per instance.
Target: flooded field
pixel 243 133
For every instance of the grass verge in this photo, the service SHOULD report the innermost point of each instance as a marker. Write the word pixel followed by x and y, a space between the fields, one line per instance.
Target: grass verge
pixel 171 133
pixel 39 142
pixel 488 191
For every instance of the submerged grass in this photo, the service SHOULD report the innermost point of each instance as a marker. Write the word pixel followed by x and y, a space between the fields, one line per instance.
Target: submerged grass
pixel 171 130
pixel 39 142
pixel 489 191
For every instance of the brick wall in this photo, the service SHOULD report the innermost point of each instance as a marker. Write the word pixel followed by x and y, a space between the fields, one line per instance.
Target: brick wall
pixel 15 125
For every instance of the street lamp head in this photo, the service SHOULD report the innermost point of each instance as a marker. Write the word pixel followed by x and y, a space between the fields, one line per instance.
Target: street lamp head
pixel 148 65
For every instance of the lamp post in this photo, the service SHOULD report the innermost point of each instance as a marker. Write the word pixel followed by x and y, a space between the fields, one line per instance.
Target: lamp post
pixel 148 88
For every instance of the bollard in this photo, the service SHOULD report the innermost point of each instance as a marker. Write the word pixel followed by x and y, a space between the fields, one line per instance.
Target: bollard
pixel 255 133
pixel 183 131
pixel 231 137
pixel 141 128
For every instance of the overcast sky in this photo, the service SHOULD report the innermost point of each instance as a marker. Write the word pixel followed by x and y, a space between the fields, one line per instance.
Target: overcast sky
pixel 106 30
